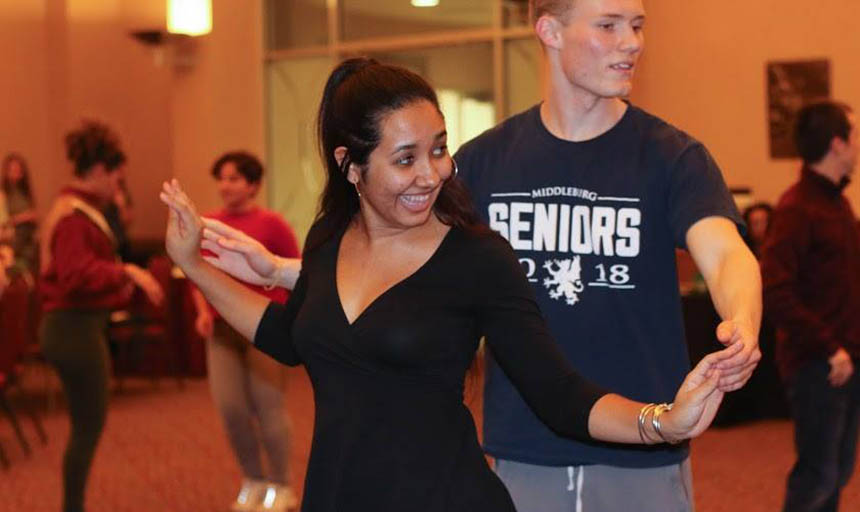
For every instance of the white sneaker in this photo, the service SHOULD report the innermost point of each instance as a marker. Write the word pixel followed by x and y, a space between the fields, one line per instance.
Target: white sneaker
pixel 278 498
pixel 250 496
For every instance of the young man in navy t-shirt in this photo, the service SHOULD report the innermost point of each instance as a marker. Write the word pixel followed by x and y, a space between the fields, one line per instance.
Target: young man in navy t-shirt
pixel 594 195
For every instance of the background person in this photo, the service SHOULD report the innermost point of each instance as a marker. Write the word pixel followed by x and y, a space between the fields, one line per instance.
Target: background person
pixel 21 207
pixel 247 385
pixel 81 282
pixel 811 270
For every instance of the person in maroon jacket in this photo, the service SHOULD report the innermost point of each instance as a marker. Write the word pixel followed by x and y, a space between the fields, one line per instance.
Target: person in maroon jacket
pixel 82 280
pixel 811 275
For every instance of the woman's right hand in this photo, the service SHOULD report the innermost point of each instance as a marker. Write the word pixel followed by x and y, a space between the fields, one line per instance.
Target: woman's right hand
pixel 240 255
pixel 184 226
pixel 698 398
pixel 146 282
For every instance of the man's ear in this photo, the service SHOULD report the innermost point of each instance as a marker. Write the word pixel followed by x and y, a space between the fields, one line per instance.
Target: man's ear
pixel 548 30
pixel 838 145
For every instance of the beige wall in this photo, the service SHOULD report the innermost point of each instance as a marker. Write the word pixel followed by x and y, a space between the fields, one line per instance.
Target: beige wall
pixel 24 111
pixel 71 59
pixel 295 89
pixel 217 105
pixel 111 77
pixel 704 70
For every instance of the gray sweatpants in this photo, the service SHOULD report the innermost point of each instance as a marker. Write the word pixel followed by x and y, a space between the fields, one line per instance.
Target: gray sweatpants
pixel 248 388
pixel 598 488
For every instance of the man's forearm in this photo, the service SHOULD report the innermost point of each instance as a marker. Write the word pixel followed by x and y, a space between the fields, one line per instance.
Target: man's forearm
pixel 735 288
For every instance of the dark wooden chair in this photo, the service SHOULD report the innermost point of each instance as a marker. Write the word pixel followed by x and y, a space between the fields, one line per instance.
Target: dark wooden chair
pixel 16 329
pixel 144 335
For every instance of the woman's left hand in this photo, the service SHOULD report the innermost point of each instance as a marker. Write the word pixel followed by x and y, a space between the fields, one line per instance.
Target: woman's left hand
pixel 184 227
pixel 144 280
pixel 698 398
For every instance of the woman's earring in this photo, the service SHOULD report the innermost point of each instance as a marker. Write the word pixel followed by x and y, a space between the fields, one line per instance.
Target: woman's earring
pixel 456 170
pixel 346 166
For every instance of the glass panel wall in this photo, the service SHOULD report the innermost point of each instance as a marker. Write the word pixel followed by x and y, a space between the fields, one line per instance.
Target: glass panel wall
pixel 296 174
pixel 522 74
pixel 463 78
pixel 515 13
pixel 296 23
pixel 363 19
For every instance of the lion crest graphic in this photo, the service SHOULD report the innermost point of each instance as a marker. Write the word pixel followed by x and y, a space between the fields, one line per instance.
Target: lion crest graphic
pixel 565 279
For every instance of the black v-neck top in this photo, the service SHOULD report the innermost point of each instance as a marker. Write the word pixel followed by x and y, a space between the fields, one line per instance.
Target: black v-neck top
pixel 391 431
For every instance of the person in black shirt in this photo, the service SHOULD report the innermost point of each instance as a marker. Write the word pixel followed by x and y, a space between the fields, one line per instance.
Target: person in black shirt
pixel 399 281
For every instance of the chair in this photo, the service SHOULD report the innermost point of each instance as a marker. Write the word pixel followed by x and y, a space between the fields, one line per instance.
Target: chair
pixel 4 459
pixel 144 325
pixel 17 336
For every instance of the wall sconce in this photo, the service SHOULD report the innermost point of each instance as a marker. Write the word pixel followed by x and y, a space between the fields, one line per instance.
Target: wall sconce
pixel 185 19
pixel 189 17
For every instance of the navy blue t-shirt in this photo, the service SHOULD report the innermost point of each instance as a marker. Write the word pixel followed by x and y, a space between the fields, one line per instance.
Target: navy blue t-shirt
pixel 595 225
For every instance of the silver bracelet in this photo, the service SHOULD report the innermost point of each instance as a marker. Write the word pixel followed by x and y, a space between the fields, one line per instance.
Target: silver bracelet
pixel 643 413
pixel 655 421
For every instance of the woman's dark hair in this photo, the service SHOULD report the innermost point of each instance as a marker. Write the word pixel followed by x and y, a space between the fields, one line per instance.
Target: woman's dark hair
pixel 817 125
pixel 751 242
pixel 359 93
pixel 24 183
pixel 246 164
pixel 92 144
pixel 757 206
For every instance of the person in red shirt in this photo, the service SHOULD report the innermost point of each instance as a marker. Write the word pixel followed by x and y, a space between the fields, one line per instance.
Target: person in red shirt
pixel 811 275
pixel 247 385
pixel 82 281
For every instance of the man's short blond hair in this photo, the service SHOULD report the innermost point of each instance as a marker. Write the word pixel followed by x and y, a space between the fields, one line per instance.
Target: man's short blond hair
pixel 559 9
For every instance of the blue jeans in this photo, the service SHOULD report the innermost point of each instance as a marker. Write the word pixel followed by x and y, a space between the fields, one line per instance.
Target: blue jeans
pixel 825 438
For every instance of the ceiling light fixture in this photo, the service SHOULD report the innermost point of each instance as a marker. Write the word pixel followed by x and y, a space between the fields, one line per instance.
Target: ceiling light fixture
pixel 189 17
